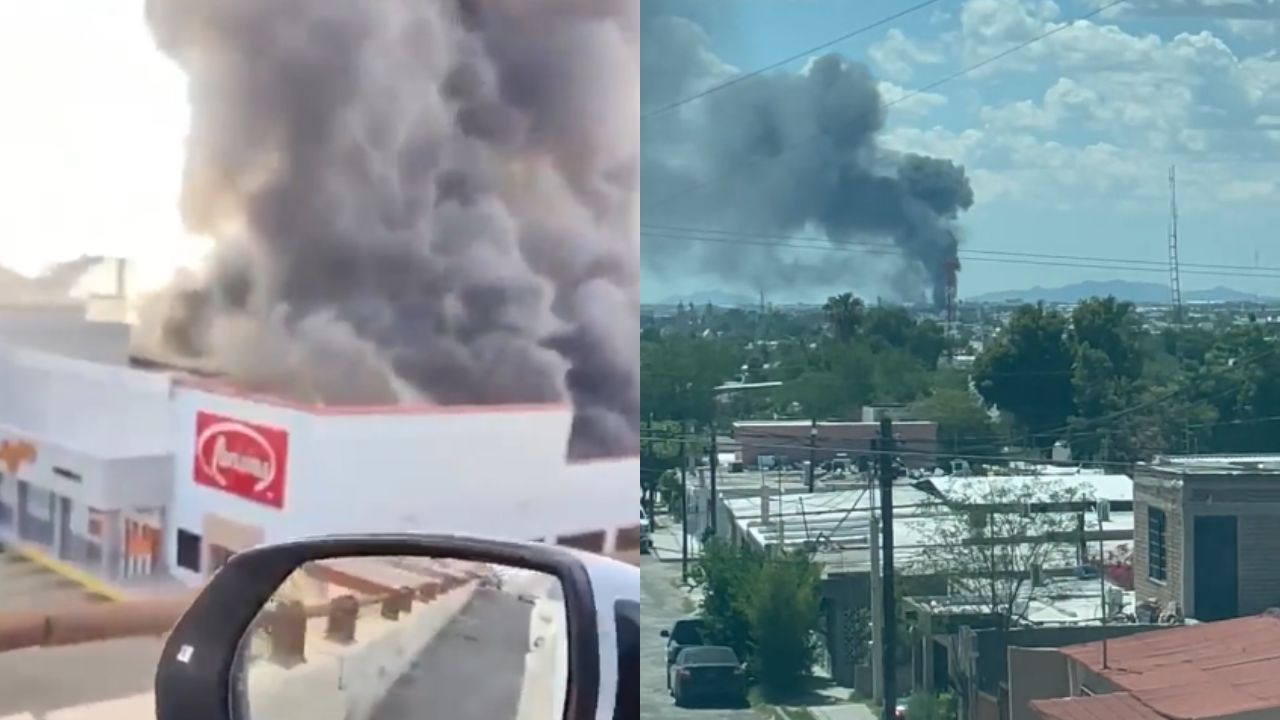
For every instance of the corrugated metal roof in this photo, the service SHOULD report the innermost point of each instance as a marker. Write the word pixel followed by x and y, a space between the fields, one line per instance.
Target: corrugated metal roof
pixel 1206 670
pixel 1115 706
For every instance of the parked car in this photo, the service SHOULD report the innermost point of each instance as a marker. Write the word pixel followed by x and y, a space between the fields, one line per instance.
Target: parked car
pixel 684 633
pixel 706 673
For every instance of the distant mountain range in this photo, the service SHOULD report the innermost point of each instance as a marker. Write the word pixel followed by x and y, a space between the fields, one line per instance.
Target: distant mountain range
pixel 1136 292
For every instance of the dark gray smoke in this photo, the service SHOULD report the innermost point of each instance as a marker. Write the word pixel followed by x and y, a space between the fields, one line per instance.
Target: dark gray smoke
pixel 782 154
pixel 413 201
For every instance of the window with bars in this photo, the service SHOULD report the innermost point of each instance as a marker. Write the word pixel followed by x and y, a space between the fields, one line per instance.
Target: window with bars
pixel 1157 557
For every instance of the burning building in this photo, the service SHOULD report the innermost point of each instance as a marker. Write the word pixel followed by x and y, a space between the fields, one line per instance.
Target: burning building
pixel 353 163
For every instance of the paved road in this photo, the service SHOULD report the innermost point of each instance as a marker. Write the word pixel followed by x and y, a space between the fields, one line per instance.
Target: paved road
pixel 472 670
pixel 661 604
pixel 25 587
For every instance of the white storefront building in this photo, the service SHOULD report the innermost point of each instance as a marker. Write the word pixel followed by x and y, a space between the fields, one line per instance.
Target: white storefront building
pixel 140 476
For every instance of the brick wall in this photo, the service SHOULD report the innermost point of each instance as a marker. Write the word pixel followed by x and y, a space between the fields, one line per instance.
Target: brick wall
pixel 1146 495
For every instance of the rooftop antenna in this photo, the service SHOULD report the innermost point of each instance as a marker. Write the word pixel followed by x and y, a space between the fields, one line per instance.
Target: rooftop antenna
pixel 1175 282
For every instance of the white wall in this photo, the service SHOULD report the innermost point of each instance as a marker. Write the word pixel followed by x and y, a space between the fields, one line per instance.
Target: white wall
pixel 494 471
pixel 64 330
pixel 105 410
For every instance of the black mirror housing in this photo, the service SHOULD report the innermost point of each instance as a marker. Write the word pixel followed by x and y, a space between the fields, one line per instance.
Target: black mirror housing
pixel 194 678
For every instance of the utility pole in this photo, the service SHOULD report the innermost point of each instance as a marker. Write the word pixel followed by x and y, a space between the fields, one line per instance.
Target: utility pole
pixel 888 661
pixel 877 610
pixel 715 460
pixel 646 495
pixel 813 446
pixel 684 503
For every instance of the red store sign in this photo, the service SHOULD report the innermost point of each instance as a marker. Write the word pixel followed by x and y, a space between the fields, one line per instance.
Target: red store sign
pixel 244 459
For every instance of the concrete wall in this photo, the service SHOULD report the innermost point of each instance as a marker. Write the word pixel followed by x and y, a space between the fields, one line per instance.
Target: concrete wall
pixel 851 438
pixel 1146 494
pixel 347 683
pixel 103 410
pixel 70 626
pixel 994 644
pixel 64 330
pixel 1035 674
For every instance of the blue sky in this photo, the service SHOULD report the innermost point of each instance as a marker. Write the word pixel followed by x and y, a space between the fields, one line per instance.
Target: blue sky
pixel 1067 143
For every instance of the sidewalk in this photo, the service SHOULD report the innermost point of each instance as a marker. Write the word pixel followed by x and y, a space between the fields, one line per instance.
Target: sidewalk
pixel 667 545
pixel 839 708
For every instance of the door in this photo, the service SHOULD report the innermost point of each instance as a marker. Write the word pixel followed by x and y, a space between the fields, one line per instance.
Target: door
pixel 218 557
pixel 1217 576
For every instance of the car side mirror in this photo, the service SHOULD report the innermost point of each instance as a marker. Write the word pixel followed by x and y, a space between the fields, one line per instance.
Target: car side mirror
pixel 665 633
pixel 354 627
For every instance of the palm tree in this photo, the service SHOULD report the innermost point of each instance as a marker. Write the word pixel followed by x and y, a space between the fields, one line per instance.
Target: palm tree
pixel 844 315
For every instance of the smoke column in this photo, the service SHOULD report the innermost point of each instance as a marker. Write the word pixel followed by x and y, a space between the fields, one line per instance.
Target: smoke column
pixel 413 201
pixel 785 153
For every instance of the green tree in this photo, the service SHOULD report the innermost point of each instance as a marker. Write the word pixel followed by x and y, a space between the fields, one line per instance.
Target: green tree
pixel 986 545
pixel 784 612
pixel 1026 371
pixel 725 573
pixel 925 706
pixel 964 427
pixel 844 314
pixel 1111 327
pixel 677 374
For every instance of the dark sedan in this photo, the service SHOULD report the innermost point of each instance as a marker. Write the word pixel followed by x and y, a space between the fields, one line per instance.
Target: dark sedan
pixel 708 673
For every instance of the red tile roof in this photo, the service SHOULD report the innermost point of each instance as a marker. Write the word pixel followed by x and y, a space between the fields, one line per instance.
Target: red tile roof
pixel 1195 672
pixel 1115 706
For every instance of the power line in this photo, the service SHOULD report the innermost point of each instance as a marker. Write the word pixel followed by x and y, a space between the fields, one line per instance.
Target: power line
pixel 868 248
pixel 826 243
pixel 790 59
pixel 925 88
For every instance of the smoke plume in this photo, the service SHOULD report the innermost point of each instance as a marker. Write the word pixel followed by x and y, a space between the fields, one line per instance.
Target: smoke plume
pixel 413 201
pixel 778 155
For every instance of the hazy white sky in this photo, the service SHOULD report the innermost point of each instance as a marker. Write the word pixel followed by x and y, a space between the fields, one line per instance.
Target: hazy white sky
pixel 92 135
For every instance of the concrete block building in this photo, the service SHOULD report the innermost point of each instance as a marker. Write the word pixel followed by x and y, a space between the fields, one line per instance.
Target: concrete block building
pixel 1207 535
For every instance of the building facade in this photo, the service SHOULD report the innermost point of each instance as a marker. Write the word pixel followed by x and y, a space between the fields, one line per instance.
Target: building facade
pixel 145 478
pixel 85 462
pixel 791 439
pixel 1206 535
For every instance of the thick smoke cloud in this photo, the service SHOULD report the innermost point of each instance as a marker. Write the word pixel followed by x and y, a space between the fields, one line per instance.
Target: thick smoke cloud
pixel 413 201
pixel 782 154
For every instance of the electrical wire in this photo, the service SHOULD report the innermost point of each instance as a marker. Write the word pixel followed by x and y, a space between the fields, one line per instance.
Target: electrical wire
pixel 867 248
pixel 790 59
pixel 825 243
pixel 922 89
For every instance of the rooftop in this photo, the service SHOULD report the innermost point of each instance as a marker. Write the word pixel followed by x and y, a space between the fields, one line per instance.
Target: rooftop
pixel 986 488
pixel 1206 670
pixel 824 423
pixel 1113 706
pixel 1218 464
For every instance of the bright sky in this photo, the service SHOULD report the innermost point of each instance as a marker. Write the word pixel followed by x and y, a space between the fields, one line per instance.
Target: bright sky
pixel 93 129
pixel 1068 142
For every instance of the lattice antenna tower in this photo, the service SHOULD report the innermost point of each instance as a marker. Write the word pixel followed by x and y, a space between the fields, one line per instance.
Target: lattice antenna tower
pixel 1175 281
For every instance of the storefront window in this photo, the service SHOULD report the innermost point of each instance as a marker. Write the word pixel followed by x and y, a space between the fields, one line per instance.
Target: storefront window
pixel 36 508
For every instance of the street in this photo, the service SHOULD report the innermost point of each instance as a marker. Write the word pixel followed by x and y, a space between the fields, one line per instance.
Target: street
pixel 661 604
pixel 472 670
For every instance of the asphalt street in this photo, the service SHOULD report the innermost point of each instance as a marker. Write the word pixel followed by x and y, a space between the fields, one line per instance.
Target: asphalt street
pixel 661 604
pixel 472 670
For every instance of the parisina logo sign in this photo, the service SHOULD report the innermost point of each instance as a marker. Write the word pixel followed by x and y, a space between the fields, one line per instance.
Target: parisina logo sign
pixel 244 459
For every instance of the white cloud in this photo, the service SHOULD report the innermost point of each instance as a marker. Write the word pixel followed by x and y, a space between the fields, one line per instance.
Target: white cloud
pixel 896 56
pixel 908 102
